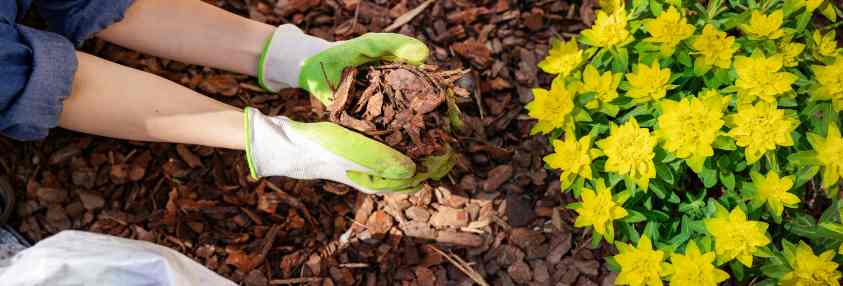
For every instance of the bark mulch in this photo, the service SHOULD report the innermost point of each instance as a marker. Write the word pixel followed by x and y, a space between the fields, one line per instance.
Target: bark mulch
pixel 497 219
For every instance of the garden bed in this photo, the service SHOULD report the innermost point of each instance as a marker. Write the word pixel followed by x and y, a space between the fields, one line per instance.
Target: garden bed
pixel 499 212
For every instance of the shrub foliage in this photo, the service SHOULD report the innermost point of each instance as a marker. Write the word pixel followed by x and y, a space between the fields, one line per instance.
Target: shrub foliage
pixel 703 140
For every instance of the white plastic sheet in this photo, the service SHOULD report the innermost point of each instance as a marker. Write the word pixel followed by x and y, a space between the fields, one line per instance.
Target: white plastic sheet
pixel 82 258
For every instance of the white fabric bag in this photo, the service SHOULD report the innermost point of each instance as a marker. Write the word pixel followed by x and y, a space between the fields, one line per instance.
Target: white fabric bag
pixel 82 258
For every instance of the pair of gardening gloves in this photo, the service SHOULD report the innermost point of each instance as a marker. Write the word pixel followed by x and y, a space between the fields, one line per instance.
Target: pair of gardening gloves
pixel 278 146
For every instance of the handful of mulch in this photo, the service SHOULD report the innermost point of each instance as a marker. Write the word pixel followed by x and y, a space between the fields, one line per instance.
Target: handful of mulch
pixel 409 108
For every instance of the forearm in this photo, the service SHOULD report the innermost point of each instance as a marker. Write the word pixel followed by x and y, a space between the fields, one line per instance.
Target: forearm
pixel 115 101
pixel 191 31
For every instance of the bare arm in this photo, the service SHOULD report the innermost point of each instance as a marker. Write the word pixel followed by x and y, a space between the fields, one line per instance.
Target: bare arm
pixel 191 31
pixel 120 102
pixel 116 101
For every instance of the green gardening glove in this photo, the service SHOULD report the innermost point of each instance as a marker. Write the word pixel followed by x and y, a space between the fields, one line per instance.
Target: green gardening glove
pixel 294 59
pixel 326 150
pixel 278 146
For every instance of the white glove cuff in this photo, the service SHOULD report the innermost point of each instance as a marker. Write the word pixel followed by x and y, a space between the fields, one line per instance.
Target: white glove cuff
pixel 284 53
pixel 262 130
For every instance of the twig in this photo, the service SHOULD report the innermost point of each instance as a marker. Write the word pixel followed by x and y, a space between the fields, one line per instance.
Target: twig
pixel 462 265
pixel 269 240
pixel 477 95
pixel 300 280
pixel 407 17
pixel 356 12
pixel 292 201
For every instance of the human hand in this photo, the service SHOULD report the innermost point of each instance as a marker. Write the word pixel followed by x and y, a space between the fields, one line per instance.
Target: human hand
pixel 293 58
pixel 278 146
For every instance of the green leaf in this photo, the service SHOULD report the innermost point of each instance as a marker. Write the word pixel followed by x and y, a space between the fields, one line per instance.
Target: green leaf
pixel 652 230
pixel 737 270
pixel 803 225
pixel 725 143
pixel 728 180
pixel 629 231
pixel 684 58
pixel 763 252
pixel 833 227
pixel 791 6
pixel 827 9
pixel 805 175
pixel 655 8
pixel 610 234
pixel 674 199
pixel 804 158
pixel 708 176
pixel 734 21
pixel 663 172
pixel 595 240
pixel 803 20
pixel 787 102
pixel 634 216
pixel 612 264
pixel 775 270
pixel 658 189
pixel 621 60
pixel 622 197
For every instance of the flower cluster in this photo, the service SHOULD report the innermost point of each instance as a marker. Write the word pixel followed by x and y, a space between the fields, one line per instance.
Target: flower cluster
pixel 708 133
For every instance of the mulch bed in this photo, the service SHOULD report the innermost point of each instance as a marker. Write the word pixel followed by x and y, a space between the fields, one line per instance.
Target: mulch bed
pixel 498 218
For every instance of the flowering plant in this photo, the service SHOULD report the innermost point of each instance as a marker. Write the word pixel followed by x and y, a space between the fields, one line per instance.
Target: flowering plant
pixel 702 140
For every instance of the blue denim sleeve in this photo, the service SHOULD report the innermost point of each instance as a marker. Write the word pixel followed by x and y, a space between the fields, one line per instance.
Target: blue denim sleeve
pixel 79 20
pixel 37 69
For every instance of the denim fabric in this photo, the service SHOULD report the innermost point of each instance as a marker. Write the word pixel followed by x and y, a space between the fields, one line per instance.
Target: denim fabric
pixel 37 67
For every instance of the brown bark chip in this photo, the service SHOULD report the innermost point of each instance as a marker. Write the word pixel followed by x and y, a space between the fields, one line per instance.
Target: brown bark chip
pixel 400 105
pixel 449 217
pixel 464 239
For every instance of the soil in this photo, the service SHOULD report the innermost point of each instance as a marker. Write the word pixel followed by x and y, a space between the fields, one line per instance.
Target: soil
pixel 497 219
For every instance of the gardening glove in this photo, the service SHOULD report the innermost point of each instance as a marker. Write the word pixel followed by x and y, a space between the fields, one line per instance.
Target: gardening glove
pixel 292 58
pixel 278 146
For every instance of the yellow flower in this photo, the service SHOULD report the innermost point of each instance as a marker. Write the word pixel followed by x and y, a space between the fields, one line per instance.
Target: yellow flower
pixel 605 85
pixel 689 127
pixel 629 149
pixel 830 79
pixel 648 83
pixel 765 26
pixel 810 269
pixel 552 108
pixel 773 191
pixel 599 210
pixel 668 29
pixel 639 265
pixel 572 157
pixel 695 268
pixel 736 237
pixel 611 5
pixel 759 77
pixel 562 58
pixel 714 47
pixel 830 154
pixel 790 52
pixel 825 45
pixel 609 30
pixel 760 128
